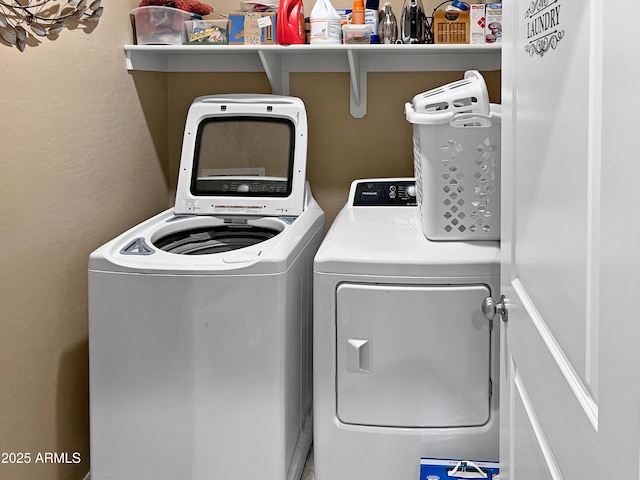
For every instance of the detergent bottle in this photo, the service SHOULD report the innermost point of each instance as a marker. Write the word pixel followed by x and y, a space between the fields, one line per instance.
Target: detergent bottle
pixel 326 23
pixel 290 23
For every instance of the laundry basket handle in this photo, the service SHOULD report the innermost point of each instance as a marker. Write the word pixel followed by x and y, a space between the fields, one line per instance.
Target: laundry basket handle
pixel 478 473
pixel 430 118
pixel 462 119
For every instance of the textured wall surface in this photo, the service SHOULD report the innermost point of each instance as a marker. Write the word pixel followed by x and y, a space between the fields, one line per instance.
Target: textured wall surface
pixel 83 157
pixel 341 148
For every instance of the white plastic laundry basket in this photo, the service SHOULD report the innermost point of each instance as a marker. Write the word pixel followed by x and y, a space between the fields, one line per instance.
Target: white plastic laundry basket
pixel 468 95
pixel 457 170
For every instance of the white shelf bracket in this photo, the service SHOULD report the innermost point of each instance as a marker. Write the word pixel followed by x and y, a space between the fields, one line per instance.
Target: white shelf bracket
pixel 278 78
pixel 129 61
pixel 358 101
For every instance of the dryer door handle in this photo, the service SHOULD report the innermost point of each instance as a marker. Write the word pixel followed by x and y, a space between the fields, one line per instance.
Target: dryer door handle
pixel 359 355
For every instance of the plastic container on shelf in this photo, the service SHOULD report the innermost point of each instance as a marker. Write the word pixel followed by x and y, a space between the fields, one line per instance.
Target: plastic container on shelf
pixel 356 34
pixel 161 25
pixel 357 12
pixel 207 32
pixel 457 154
pixel 290 28
pixel 325 23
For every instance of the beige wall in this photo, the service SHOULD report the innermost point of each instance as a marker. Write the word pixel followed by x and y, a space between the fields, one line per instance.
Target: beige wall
pixel 341 148
pixel 89 150
pixel 81 160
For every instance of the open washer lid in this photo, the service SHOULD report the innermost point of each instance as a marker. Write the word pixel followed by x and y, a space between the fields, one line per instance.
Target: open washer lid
pixel 243 154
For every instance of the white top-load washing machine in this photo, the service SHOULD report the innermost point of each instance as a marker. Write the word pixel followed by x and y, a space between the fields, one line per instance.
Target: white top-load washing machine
pixel 405 364
pixel 200 317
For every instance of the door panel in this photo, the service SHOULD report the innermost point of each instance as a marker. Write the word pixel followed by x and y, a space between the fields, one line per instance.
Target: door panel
pixel 539 462
pixel 551 167
pixel 570 400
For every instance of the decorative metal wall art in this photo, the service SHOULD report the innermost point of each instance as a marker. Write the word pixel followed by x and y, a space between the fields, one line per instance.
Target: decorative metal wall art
pixel 24 20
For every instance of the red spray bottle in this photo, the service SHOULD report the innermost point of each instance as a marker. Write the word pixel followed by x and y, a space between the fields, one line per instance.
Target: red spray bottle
pixel 290 22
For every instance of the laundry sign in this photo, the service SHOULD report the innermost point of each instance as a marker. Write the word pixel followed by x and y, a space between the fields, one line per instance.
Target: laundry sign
pixel 543 26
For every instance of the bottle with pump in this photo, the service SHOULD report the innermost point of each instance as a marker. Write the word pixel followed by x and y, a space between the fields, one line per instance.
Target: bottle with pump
pixel 325 22
pixel 388 29
pixel 290 24
pixel 412 22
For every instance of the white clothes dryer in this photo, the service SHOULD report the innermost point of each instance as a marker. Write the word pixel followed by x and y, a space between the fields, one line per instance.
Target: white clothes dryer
pixel 200 318
pixel 405 364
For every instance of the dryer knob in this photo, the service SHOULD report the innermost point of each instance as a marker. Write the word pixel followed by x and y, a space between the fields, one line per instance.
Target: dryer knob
pixel 411 190
pixel 243 188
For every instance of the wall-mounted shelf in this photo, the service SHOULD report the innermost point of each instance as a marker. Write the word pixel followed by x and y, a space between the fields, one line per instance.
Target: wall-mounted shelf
pixel 277 61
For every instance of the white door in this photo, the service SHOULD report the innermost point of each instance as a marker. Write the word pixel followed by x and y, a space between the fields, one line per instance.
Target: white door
pixel 570 381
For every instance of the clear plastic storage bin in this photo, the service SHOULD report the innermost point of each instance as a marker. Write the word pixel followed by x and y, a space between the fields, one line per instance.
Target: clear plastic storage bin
pixel 161 25
pixel 456 145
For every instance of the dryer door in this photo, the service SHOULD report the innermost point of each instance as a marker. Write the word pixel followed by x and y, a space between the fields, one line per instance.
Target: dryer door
pixel 413 355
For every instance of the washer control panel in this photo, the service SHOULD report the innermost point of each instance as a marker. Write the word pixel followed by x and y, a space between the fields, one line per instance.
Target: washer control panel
pixel 385 193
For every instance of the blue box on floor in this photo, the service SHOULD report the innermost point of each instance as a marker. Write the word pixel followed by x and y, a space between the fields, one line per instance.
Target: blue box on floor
pixel 442 468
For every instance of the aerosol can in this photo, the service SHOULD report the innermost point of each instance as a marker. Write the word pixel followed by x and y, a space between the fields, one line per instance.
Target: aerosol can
pixel 412 23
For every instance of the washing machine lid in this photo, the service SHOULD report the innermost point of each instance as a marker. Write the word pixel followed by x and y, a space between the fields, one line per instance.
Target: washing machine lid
pixel 243 154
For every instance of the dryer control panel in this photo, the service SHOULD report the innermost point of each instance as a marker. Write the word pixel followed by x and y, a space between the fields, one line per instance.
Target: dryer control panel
pixel 384 193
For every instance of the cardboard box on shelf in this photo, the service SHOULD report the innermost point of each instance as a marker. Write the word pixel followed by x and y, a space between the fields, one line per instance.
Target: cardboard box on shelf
pixel 493 28
pixel 252 28
pixel 477 21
